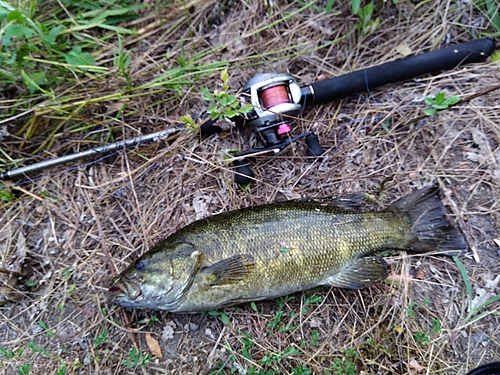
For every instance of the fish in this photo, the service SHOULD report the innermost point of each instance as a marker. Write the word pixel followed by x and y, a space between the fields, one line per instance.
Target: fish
pixel 264 252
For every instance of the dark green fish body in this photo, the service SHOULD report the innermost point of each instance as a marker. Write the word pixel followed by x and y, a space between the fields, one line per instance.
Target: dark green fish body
pixel 273 250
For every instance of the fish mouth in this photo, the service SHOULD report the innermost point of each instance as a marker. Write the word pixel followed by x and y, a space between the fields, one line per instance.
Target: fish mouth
pixel 124 288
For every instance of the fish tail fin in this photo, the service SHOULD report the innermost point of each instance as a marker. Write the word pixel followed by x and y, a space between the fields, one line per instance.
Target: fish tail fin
pixel 432 230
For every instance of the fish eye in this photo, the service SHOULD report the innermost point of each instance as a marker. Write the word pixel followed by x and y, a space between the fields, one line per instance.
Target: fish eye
pixel 140 265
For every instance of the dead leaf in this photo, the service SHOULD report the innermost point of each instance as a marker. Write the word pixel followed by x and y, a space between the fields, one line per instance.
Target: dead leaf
pixel 168 331
pixel 9 291
pixel 420 274
pixel 484 294
pixel 399 279
pixel 153 345
pixel 414 366
pixel 200 206
pixel 404 49
pixel 315 323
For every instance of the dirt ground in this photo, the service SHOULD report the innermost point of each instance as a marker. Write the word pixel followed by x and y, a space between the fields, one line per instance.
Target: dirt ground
pixel 70 230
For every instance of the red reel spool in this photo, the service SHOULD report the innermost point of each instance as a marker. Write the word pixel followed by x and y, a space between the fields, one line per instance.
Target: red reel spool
pixel 273 96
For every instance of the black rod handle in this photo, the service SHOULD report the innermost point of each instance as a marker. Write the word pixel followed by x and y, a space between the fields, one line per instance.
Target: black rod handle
pixel 399 70
pixel 488 369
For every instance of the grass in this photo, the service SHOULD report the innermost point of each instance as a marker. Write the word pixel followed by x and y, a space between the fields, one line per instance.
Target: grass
pixel 75 75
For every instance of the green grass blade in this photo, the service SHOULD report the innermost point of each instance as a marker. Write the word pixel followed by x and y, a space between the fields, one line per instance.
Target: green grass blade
pixel 465 277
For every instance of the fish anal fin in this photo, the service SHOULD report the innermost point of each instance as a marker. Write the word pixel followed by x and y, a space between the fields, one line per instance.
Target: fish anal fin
pixel 361 274
pixel 229 270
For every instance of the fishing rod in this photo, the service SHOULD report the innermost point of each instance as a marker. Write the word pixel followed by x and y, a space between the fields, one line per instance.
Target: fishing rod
pixel 277 98
pixel 91 153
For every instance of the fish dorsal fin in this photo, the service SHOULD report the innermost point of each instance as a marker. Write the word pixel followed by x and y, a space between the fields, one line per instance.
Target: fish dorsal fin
pixel 347 202
pixel 361 274
pixel 350 202
pixel 229 270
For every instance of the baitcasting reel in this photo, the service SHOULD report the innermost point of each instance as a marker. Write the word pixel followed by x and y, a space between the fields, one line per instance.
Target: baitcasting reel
pixel 276 98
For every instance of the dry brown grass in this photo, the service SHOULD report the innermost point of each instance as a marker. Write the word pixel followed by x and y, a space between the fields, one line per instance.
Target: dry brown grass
pixel 74 230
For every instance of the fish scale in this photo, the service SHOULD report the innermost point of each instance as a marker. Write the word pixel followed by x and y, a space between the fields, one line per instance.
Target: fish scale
pixel 272 250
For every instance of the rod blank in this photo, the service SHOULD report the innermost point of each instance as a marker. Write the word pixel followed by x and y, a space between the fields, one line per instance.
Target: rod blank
pixel 90 153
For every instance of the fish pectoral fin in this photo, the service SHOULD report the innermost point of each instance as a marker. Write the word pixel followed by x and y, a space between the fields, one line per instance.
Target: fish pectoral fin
pixel 229 270
pixel 361 274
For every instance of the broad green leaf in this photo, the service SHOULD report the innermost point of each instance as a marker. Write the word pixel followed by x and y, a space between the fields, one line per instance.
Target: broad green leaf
pixel 52 35
pixel 231 113
pixel 79 58
pixel 430 111
pixel 16 15
pixel 206 95
pixel 452 100
pixel 15 30
pixel 246 108
pixel 439 98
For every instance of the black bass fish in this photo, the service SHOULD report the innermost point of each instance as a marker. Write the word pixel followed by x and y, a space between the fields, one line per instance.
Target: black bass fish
pixel 268 251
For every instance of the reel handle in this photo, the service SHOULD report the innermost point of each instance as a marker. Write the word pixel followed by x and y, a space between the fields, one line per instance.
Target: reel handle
pixel 313 146
pixel 243 174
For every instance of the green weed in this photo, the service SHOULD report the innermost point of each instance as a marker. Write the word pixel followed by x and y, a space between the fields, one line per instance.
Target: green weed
pixel 221 104
pixel 308 300
pixel 6 194
pixel 190 124
pixel 38 349
pixel 40 51
pixel 491 9
pixel 101 339
pixel 24 369
pixel 329 6
pixel 439 102
pixel 421 337
pixel 222 316
pixel 253 306
pixel 347 364
pixel 314 338
pixel 9 353
pixel 48 331
pixel 276 322
pixel 136 358
pixel 149 321
pixel 273 358
pixel 436 326
pixel 473 315
pixel 366 24
pixel 301 370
